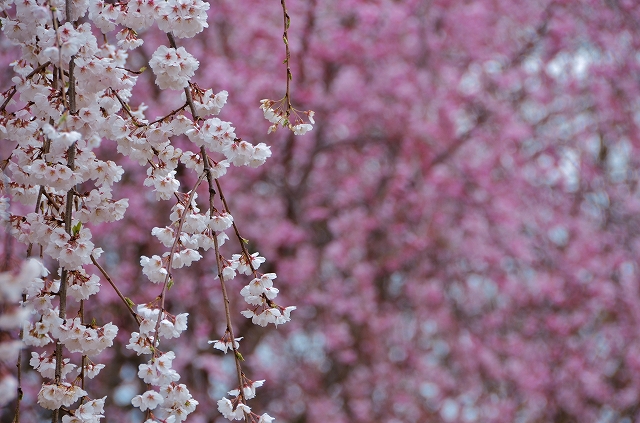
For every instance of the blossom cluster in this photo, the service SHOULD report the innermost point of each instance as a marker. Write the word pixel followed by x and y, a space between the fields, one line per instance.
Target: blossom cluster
pixel 185 18
pixel 235 409
pixel 219 136
pixel 206 103
pixel 12 286
pixel 71 92
pixel 55 395
pixel 90 340
pixel 45 364
pixel 173 67
pixel 279 113
pixel 174 399
pixel 260 293
pixel 198 231
pixel 169 327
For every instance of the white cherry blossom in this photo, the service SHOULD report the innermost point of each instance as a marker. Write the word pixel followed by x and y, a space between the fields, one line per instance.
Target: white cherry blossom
pixel 147 401
pixel 173 67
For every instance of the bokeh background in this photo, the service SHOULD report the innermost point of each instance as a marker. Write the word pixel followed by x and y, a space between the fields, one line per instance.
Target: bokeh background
pixel 460 231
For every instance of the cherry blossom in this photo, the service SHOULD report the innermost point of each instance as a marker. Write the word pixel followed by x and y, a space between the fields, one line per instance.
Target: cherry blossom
pixel 147 401
pixel 52 396
pixel 173 67
pixel 226 407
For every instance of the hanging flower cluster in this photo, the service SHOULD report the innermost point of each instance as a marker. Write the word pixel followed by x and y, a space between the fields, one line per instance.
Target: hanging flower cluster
pixel 12 287
pixel 71 91
pixel 280 113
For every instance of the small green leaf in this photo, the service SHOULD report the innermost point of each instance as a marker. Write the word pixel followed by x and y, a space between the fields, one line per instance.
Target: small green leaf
pixel 75 229
pixel 129 302
pixel 170 284
pixel 239 356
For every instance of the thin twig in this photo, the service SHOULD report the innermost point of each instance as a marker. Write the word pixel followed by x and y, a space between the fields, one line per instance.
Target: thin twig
pixel 115 288
pixel 285 39
pixel 235 228
pixel 227 314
